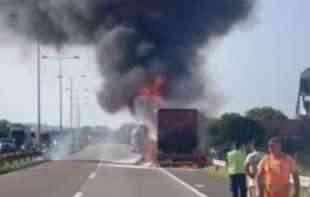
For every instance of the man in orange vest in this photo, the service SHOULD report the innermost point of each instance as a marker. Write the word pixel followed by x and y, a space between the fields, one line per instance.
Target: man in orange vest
pixel 274 171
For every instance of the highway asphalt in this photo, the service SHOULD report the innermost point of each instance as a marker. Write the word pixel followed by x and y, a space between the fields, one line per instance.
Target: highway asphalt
pixel 91 174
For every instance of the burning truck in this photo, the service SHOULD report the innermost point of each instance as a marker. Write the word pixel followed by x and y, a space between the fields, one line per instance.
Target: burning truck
pixel 170 135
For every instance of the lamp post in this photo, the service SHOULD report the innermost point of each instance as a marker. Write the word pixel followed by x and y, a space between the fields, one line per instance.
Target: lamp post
pixel 79 105
pixel 13 22
pixel 38 94
pixel 71 89
pixel 72 107
pixel 59 59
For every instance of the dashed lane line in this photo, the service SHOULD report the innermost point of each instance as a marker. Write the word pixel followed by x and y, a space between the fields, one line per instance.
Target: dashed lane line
pixel 78 194
pixel 188 186
pixel 92 175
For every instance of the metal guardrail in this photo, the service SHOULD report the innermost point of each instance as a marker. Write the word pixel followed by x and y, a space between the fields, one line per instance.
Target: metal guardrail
pixel 13 161
pixel 304 180
pixel 18 155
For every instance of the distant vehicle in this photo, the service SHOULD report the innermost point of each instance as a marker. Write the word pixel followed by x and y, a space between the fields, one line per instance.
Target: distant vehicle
pixel 7 145
pixel 178 142
pixel 22 136
pixel 44 148
pixel 137 139
pixel 29 147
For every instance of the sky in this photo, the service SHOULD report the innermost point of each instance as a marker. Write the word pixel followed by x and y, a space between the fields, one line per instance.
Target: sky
pixel 260 64
pixel 256 64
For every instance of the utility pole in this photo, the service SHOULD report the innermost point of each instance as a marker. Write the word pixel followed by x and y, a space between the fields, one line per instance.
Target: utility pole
pixel 78 112
pixel 60 95
pixel 71 91
pixel 71 111
pixel 13 23
pixel 38 94
pixel 71 103
pixel 60 77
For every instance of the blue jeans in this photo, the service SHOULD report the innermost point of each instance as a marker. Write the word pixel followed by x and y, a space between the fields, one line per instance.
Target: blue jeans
pixel 238 185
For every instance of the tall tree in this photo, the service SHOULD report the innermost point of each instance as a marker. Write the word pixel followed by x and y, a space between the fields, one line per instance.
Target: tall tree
pixel 233 127
pixel 265 113
pixel 4 128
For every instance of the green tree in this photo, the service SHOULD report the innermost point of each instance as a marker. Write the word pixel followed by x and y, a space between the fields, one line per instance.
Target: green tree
pixel 4 128
pixel 265 113
pixel 233 127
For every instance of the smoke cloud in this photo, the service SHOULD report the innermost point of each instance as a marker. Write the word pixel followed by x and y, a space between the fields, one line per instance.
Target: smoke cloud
pixel 136 40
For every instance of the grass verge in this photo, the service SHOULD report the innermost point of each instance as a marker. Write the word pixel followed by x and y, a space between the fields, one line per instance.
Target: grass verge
pixel 19 165
pixel 217 172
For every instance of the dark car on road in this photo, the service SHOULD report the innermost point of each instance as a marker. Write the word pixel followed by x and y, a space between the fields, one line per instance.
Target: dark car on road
pixel 7 145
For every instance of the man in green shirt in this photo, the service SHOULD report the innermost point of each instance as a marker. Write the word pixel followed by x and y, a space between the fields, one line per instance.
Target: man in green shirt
pixel 236 169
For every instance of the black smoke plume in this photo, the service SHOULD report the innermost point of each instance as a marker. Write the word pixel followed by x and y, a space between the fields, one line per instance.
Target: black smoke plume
pixel 136 40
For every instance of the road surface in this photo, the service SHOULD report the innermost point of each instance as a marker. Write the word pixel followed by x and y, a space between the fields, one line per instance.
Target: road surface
pixel 107 152
pixel 85 175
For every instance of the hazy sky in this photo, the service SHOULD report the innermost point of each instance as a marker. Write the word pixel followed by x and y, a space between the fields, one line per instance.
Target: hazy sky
pixel 261 64
pixel 257 64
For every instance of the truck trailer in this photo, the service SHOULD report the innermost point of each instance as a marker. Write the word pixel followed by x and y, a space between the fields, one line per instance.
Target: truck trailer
pixel 178 138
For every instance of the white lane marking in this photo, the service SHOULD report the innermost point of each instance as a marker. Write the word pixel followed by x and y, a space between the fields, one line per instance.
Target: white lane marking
pixel 92 175
pixel 127 166
pixel 191 188
pixel 199 185
pixel 78 194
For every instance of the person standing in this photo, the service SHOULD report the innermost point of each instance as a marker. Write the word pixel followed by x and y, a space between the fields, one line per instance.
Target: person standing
pixel 236 170
pixel 251 164
pixel 274 171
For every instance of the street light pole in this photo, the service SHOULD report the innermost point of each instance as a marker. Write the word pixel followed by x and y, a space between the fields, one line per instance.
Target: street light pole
pixel 82 104
pixel 71 112
pixel 60 95
pixel 13 23
pixel 78 112
pixel 60 59
pixel 71 90
pixel 80 107
pixel 38 93
pixel 71 103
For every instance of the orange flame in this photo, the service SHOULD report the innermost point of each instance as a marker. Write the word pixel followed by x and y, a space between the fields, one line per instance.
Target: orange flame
pixel 155 91
pixel 153 94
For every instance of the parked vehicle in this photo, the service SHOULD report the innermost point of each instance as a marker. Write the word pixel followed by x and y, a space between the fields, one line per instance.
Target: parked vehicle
pixel 23 137
pixel 7 145
pixel 137 139
pixel 178 142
